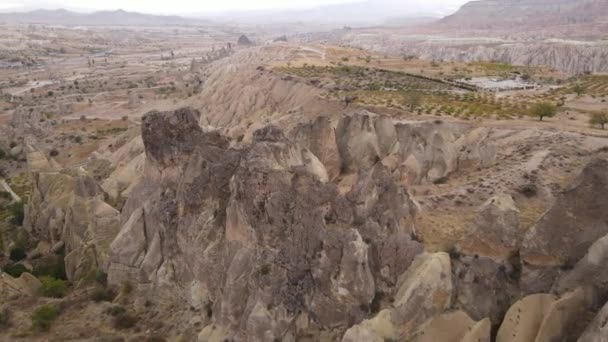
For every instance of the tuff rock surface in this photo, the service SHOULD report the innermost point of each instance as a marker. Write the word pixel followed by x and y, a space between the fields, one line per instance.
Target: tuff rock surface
pixel 258 235
pixel 69 209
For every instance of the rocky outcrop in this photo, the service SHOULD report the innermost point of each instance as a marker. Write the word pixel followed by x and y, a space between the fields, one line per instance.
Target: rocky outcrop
pixel 29 122
pixel 260 237
pixel 244 41
pixel 455 327
pixel 564 234
pixel 424 292
pixel 496 232
pixel 70 208
pixel 535 48
pixel 415 152
pixel 487 14
pixel 590 271
pixel 319 137
pixel 26 285
pixel 597 331
pixel 543 318
pixel 483 287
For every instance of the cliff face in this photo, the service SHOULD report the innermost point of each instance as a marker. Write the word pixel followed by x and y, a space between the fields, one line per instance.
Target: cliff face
pixel 563 55
pixel 267 237
pixel 487 14
pixel 566 57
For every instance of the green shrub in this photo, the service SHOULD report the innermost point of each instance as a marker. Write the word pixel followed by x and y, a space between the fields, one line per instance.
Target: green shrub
pixel 43 317
pixel 124 321
pixel 116 310
pixel 543 109
pixel 100 294
pixel 17 213
pixel 5 195
pixel 127 288
pixel 53 288
pixel 15 270
pixel 50 265
pixel 101 278
pixel 2 154
pixel 5 317
pixel 17 253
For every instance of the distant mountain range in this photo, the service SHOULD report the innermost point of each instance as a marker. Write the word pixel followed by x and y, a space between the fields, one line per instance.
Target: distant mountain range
pixel 490 14
pixel 102 18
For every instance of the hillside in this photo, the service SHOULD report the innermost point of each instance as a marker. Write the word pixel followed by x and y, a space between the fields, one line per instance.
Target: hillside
pixel 488 14
pixel 102 18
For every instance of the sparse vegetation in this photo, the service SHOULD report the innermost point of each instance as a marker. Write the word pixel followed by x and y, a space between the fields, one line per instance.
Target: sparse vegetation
pixel 17 253
pixel 115 310
pixel 5 318
pixel 124 320
pixel 599 119
pixel 126 288
pixel 43 317
pixel 17 213
pixel 100 294
pixel 15 270
pixel 53 288
pixel 50 265
pixel 578 89
pixel 543 110
pixel 413 100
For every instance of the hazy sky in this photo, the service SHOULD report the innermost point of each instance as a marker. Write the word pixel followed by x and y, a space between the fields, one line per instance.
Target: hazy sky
pixel 203 6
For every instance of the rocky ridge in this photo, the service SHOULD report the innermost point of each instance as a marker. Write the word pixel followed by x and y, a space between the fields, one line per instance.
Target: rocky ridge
pixel 311 233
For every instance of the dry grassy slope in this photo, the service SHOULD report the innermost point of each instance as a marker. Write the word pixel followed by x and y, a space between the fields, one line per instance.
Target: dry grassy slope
pixel 545 158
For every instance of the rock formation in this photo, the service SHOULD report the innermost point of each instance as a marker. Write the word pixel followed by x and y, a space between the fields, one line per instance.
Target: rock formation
pixel 543 317
pixel 244 41
pixel 70 208
pixel 414 152
pixel 598 329
pixel 564 234
pixel 488 14
pixel 284 245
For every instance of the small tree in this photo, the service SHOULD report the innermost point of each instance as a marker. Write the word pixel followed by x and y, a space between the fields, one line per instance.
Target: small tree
pixel 578 89
pixel 52 288
pixel 349 99
pixel 43 316
pixel 599 119
pixel 413 100
pixel 543 109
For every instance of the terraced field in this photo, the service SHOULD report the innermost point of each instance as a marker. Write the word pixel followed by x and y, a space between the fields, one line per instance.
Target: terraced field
pixel 594 85
pixel 360 78
pixel 399 90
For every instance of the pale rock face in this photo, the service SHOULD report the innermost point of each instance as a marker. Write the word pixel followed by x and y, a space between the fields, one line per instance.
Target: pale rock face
pixel 379 328
pixel 589 271
pixel 495 233
pixel 124 177
pixel 483 287
pixel 26 285
pixel 455 326
pixel 424 291
pixel 70 209
pixel 597 331
pixel 566 232
pixel 31 122
pixel 320 138
pixel 543 318
pixel 260 235
pixel 414 152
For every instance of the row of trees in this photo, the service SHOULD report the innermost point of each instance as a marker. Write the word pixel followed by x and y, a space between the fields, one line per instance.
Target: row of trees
pixel 541 110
